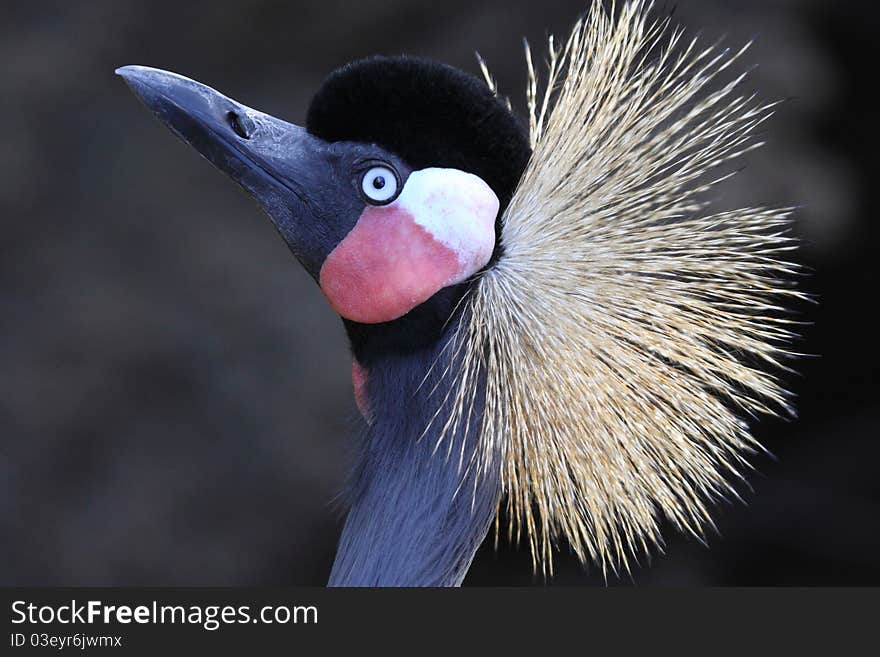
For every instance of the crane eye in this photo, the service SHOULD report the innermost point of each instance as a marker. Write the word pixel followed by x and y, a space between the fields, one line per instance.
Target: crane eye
pixel 380 185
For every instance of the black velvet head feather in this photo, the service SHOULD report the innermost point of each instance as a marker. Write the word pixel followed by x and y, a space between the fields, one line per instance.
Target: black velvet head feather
pixel 429 114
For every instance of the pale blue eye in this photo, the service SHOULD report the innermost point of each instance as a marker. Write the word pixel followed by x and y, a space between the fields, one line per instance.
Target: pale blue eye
pixel 379 184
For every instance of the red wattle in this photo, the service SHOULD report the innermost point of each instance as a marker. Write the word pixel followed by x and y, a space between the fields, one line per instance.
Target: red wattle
pixel 359 382
pixel 386 266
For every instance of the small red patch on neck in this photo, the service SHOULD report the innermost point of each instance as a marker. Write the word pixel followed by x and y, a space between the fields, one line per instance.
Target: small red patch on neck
pixel 359 382
pixel 386 266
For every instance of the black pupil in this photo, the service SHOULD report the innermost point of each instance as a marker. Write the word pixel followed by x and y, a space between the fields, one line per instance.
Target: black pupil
pixel 378 182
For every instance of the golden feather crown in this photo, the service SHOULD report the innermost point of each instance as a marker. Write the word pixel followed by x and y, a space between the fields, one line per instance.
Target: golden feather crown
pixel 627 329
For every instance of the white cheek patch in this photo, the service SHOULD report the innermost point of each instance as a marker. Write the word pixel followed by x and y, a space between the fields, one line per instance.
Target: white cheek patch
pixel 458 210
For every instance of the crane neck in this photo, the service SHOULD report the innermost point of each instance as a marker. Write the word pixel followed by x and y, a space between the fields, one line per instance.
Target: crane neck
pixel 418 514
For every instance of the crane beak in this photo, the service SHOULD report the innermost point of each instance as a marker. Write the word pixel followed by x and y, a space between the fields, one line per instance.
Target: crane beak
pixel 275 161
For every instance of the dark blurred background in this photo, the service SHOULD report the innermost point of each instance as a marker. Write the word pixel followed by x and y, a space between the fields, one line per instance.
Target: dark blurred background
pixel 175 398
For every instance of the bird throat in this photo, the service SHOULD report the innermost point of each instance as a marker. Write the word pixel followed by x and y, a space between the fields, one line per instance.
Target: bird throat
pixel 418 513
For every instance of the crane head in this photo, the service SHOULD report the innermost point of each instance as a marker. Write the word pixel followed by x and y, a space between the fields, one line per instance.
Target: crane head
pixel 616 328
pixel 392 193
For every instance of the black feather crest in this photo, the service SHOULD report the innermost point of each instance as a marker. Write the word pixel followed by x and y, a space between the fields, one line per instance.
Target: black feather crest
pixel 428 113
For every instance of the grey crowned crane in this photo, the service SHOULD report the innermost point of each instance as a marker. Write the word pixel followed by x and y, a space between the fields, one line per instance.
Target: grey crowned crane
pixel 547 320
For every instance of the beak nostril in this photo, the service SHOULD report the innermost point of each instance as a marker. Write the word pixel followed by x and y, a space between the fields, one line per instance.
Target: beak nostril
pixel 241 125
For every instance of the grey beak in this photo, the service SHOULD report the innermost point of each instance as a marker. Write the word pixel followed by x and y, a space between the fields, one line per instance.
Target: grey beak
pixel 280 164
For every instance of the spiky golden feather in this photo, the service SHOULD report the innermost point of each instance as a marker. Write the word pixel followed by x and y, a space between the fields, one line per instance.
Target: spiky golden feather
pixel 626 330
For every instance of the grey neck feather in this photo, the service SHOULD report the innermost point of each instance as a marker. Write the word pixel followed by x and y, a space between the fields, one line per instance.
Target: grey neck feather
pixel 416 517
